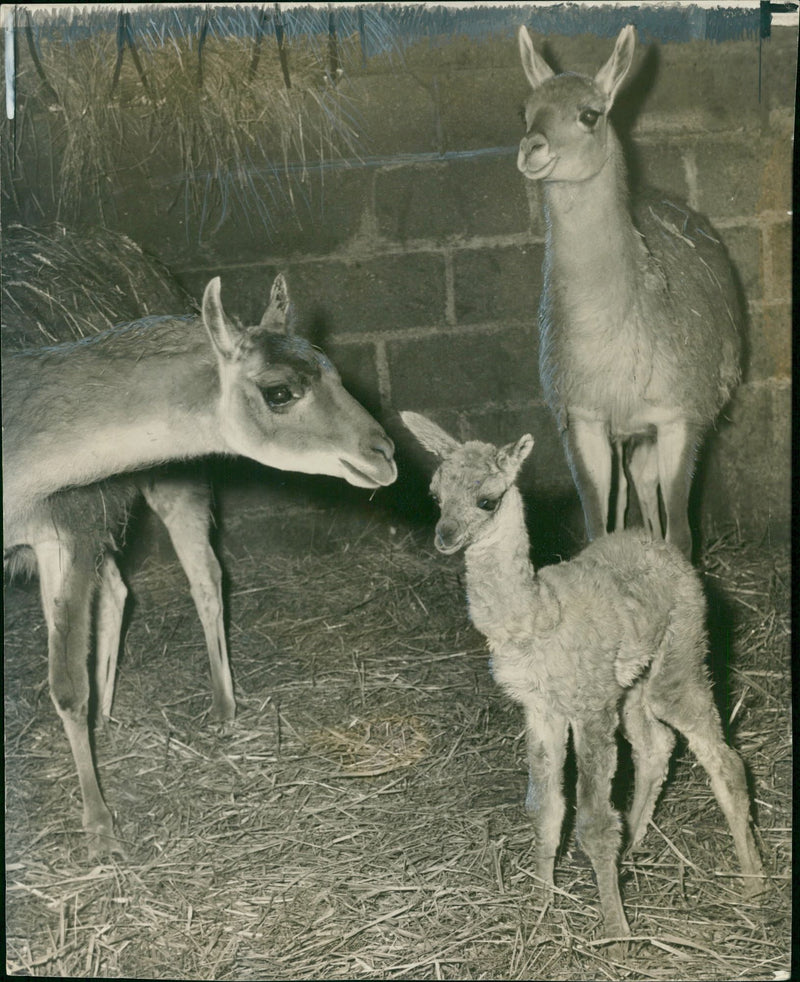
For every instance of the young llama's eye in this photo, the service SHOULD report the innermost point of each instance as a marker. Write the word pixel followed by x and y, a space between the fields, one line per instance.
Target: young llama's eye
pixel 488 504
pixel 589 117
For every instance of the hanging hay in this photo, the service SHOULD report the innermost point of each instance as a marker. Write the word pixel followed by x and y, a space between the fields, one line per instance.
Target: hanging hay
pixel 59 284
pixel 209 103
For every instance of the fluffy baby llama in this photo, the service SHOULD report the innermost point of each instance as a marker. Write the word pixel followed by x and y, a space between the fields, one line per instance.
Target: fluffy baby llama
pixel 622 624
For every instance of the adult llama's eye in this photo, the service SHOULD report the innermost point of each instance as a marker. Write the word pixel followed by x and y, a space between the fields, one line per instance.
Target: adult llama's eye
pixel 278 396
pixel 589 117
pixel 488 504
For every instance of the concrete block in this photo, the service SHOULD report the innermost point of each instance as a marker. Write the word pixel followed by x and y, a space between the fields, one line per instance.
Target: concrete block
pixel 779 244
pixel 482 107
pixel 478 196
pixel 659 164
pixel 356 365
pixel 775 150
pixel 746 476
pixel 768 342
pixel 713 85
pixel 386 293
pixel 743 243
pixel 502 283
pixel 758 361
pixel 729 177
pixel 777 336
pixel 392 113
pixel 779 68
pixel 324 212
pixel 460 371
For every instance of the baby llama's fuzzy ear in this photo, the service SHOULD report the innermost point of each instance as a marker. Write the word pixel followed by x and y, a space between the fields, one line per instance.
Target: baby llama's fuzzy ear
pixel 511 457
pixel 429 434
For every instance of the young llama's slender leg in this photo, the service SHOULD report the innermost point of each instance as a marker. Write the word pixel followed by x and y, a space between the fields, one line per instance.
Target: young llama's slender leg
pixel 68 580
pixel 111 597
pixel 680 695
pixel 652 744
pixel 547 748
pixel 597 823
pixel 184 508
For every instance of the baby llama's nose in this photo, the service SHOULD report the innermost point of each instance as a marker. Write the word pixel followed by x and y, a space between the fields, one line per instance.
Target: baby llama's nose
pixel 447 533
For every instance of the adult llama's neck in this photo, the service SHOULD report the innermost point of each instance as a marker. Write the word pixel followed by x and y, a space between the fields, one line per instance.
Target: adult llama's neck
pixel 592 246
pixel 95 410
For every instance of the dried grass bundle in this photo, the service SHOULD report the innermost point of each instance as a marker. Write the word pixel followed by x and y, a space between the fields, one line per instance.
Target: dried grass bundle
pixel 215 107
pixel 59 284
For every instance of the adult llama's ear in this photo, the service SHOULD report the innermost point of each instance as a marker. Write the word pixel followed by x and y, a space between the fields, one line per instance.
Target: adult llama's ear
pixel 225 336
pixel 535 67
pixel 511 457
pixel 612 74
pixel 431 436
pixel 276 316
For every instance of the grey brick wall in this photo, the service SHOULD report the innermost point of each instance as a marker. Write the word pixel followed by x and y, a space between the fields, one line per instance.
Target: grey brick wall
pixel 421 263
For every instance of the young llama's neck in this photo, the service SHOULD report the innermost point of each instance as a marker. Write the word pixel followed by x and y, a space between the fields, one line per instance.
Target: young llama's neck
pixel 591 242
pixel 502 586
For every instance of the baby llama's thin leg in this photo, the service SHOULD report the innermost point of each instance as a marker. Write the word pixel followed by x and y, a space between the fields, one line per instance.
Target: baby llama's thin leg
pixel 651 744
pixel 597 823
pixel 547 748
pixel 682 697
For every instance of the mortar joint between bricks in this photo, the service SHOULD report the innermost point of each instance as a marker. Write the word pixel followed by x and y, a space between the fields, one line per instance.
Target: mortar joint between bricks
pixel 449 288
pixel 383 374
pixel 690 171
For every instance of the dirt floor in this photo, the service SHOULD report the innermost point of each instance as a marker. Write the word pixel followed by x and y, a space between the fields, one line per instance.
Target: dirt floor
pixel 363 817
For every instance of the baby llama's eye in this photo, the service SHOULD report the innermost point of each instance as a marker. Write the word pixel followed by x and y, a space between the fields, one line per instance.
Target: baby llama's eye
pixel 589 117
pixel 278 396
pixel 487 504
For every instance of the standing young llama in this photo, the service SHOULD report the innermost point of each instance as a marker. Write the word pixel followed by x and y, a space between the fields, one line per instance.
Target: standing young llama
pixel 639 318
pixel 621 624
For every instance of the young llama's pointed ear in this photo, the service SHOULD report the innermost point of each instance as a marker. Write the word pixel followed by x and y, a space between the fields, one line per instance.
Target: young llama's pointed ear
pixel 431 436
pixel 225 336
pixel 511 457
pixel 612 74
pixel 276 316
pixel 535 67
